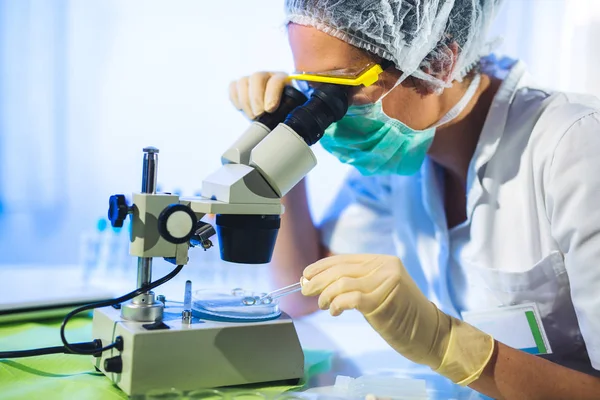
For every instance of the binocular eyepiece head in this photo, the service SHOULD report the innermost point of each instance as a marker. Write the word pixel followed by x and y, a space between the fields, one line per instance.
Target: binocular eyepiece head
pixel 250 239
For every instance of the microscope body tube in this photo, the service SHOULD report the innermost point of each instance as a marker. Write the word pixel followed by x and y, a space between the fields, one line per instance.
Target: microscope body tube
pixel 283 158
pixel 239 152
pixel 278 144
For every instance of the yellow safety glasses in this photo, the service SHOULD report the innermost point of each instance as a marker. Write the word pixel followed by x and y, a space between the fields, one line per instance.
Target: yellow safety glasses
pixel 362 79
pixel 365 76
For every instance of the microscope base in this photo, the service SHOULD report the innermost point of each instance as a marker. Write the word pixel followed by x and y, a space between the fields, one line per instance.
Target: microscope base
pixel 203 354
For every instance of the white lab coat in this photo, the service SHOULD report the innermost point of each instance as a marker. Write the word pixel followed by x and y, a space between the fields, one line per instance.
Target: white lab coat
pixel 532 232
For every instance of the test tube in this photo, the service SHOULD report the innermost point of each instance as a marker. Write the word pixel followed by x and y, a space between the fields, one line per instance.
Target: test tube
pixel 187 303
pixel 284 291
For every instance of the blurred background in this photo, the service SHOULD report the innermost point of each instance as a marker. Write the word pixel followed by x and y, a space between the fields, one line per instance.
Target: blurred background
pixel 86 84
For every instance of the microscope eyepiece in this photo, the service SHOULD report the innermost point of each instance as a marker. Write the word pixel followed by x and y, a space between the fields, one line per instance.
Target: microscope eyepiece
pixel 326 105
pixel 291 98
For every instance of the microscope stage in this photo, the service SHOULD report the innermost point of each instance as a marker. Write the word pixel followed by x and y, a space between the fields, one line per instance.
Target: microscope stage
pixel 203 354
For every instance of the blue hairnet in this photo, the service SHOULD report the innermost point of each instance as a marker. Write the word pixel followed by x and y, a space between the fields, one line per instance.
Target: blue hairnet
pixel 420 37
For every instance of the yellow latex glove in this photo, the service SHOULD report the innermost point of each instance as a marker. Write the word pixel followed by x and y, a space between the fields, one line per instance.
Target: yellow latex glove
pixel 258 93
pixel 382 290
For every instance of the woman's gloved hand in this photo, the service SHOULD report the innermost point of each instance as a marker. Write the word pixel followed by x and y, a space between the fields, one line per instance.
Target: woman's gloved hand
pixel 381 289
pixel 257 93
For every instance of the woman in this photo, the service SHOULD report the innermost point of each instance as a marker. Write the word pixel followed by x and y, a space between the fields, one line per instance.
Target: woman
pixel 472 190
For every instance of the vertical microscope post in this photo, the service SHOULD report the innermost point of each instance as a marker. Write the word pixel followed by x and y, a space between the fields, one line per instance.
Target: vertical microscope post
pixel 145 308
pixel 149 176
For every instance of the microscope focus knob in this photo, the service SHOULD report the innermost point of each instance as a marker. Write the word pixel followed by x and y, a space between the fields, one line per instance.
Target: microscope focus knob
pixel 177 223
pixel 117 210
pixel 114 364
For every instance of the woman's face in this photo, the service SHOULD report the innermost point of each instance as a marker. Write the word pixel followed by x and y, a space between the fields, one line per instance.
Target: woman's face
pixel 315 51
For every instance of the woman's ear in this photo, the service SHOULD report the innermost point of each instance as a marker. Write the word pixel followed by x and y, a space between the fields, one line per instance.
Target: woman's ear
pixel 442 68
pixel 445 63
pixel 423 88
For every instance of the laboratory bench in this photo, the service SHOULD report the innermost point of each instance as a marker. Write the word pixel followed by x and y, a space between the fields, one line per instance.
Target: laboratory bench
pixel 344 345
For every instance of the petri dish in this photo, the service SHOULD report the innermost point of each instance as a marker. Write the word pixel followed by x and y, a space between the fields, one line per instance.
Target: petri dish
pixel 236 305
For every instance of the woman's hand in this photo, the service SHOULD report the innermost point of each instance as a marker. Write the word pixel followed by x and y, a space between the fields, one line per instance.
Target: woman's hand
pixel 258 93
pixel 382 290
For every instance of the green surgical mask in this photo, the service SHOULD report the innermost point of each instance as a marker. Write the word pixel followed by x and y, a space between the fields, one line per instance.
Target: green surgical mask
pixel 376 144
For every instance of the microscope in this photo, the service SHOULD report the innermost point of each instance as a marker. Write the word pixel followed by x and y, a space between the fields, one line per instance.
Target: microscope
pixel 158 350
